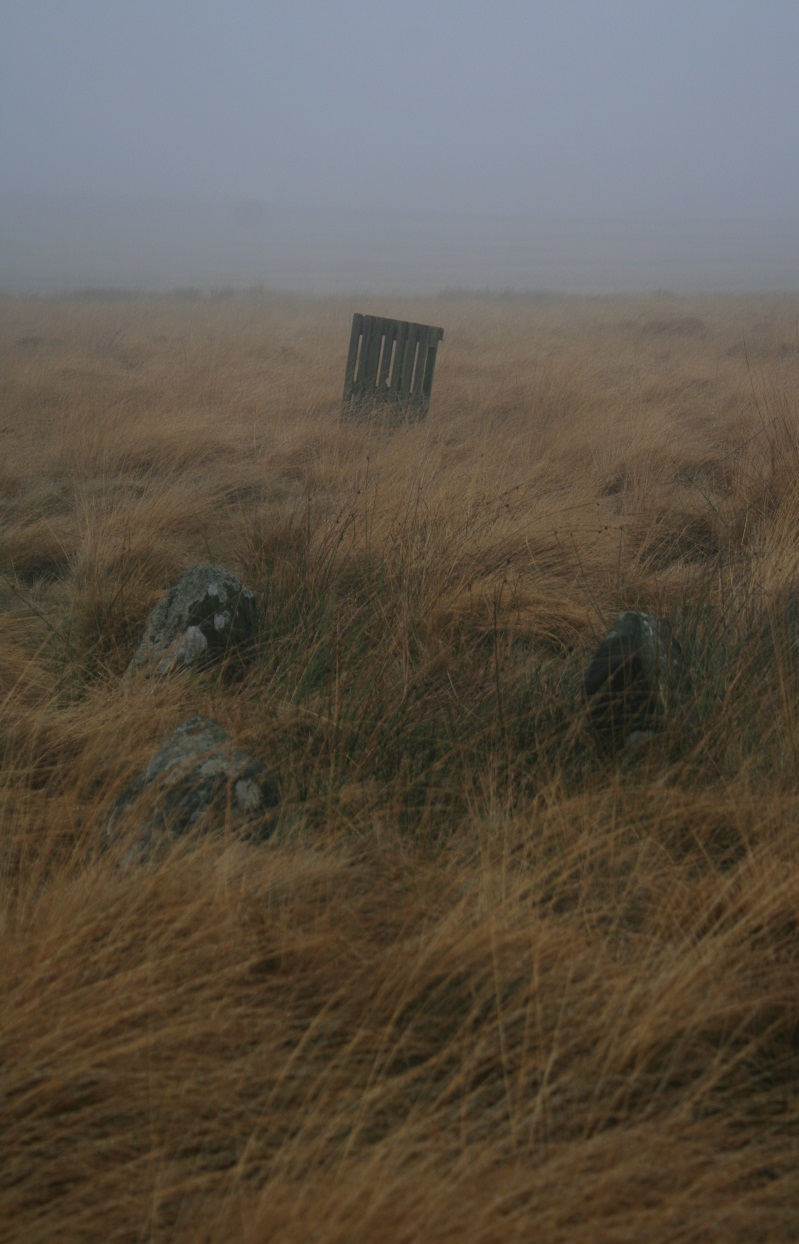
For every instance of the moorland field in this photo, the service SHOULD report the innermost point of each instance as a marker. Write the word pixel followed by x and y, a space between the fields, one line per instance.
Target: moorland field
pixel 486 981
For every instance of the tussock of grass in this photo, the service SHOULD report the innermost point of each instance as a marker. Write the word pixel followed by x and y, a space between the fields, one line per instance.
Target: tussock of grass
pixel 487 982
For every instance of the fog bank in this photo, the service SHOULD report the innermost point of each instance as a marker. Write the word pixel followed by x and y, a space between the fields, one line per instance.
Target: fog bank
pixel 61 243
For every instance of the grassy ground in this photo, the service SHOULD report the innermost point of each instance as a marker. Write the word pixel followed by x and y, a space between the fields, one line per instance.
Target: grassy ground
pixel 487 983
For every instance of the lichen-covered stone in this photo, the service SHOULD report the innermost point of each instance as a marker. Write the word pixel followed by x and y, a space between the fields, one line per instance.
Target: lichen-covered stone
pixel 205 618
pixel 635 679
pixel 190 648
pixel 196 779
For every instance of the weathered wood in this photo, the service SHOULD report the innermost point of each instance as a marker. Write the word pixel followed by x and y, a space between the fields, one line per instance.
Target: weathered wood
pixel 421 363
pixel 430 366
pixel 389 338
pixel 390 360
pixel 405 378
pixel 403 339
pixel 352 356
pixel 372 353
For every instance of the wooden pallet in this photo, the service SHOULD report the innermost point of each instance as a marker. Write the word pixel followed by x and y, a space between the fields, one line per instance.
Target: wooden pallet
pixel 390 361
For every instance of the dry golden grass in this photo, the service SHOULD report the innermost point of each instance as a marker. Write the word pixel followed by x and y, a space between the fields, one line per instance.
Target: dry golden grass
pixel 485 983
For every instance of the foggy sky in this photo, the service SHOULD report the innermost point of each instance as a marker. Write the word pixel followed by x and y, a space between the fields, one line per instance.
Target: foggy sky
pixel 534 109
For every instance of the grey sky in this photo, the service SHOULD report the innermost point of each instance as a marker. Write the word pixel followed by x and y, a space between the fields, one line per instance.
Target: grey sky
pixel 331 145
pixel 552 107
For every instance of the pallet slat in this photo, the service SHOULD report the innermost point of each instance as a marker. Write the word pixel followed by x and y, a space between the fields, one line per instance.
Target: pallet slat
pixel 408 360
pixel 403 333
pixel 372 353
pixel 417 390
pixel 430 366
pixel 389 337
pixel 352 355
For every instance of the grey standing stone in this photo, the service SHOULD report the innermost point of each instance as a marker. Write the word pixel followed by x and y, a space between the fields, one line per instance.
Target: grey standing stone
pixel 197 776
pixel 635 678
pixel 205 618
